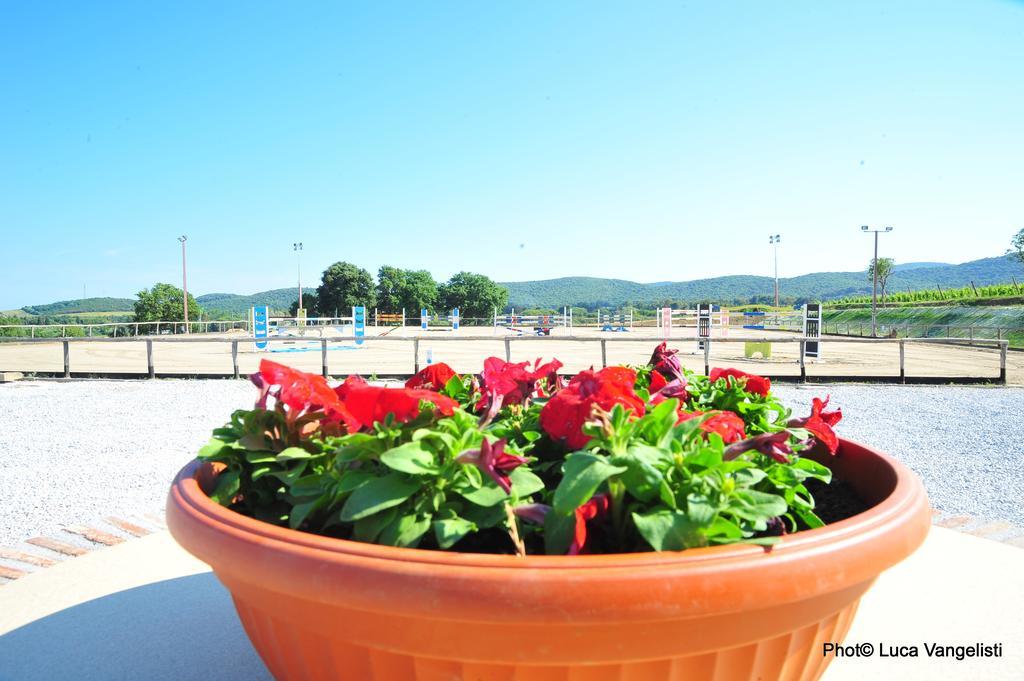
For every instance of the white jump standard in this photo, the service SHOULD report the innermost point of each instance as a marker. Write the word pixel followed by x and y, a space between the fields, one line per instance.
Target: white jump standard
pixel 451 319
pixel 812 329
pixel 615 322
pixel 533 324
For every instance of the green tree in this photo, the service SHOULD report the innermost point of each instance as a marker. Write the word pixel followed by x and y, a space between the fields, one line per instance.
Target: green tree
pixel 885 270
pixel 165 303
pixel 309 301
pixel 390 281
pixel 1017 246
pixel 342 287
pixel 419 290
pixel 409 289
pixel 474 294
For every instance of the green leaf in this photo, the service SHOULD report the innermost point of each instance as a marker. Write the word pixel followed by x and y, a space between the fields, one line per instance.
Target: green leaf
pixel 301 511
pixel 700 510
pixel 559 531
pixel 724 531
pixel 705 457
pixel 309 485
pixel 669 530
pixel 484 516
pixel 487 494
pixel 452 530
pixel 525 482
pixel 377 495
pixel 259 471
pixel 369 528
pixel 748 477
pixel 291 475
pixel 642 478
pixel 212 449
pixel 809 517
pixel 228 483
pixel 260 457
pixel 352 480
pixel 583 473
pixel 410 458
pixel 293 454
pixel 813 469
pixel 405 531
pixel 753 505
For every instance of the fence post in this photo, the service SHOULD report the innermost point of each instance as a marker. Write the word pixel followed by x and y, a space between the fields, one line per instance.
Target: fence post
pixel 508 348
pixel 803 365
pixel 323 357
pixel 234 358
pixel 604 352
pixel 1002 361
pixel 903 369
pixel 415 355
pixel 67 359
pixel 149 358
pixel 707 356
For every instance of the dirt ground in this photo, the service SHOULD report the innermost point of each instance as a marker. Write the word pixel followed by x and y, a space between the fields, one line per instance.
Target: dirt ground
pixel 389 351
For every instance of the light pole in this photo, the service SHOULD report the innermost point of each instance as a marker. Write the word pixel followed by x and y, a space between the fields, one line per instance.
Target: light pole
pixel 874 278
pixel 774 241
pixel 184 278
pixel 298 257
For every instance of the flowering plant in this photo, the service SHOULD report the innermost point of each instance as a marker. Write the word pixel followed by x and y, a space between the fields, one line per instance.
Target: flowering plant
pixel 514 460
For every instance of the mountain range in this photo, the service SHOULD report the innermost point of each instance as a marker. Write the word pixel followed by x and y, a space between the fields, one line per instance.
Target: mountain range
pixel 738 289
pixel 593 292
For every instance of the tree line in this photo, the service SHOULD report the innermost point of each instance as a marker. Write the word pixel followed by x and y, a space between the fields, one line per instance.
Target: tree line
pixel 344 285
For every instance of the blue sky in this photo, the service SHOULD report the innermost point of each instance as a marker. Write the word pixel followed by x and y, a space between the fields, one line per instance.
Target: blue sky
pixel 644 141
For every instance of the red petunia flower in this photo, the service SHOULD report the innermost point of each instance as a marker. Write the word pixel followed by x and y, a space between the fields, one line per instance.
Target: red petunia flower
pixel 301 393
pixel 493 461
pixel 595 508
pixel 432 377
pixel 775 445
pixel 676 388
pixel 565 413
pixel 503 383
pixel 752 383
pixel 547 378
pixel 657 383
pixel 727 424
pixel 371 404
pixel 665 362
pixel 820 423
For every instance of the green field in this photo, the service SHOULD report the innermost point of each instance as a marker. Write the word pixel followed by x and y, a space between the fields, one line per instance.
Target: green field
pixel 956 321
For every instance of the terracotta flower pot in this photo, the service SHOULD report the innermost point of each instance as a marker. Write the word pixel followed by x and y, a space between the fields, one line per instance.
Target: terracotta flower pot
pixel 322 608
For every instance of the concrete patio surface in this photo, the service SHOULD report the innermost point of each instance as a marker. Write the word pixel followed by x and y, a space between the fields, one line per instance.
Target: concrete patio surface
pixel 145 609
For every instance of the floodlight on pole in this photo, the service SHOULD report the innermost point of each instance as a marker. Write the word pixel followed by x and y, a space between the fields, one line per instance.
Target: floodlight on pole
pixel 774 240
pixel 874 277
pixel 184 278
pixel 297 247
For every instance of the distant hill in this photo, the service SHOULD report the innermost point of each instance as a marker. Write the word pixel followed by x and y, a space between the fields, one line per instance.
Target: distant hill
pixel 278 300
pixel 591 292
pixel 82 306
pixel 736 289
pixel 900 267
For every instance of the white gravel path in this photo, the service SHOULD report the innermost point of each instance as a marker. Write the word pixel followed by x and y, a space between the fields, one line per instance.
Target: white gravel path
pixel 80 450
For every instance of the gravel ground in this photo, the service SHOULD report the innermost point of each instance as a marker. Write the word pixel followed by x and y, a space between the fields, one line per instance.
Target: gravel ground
pixel 81 450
